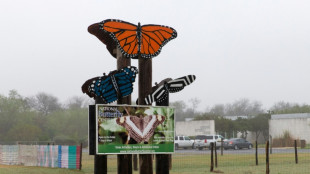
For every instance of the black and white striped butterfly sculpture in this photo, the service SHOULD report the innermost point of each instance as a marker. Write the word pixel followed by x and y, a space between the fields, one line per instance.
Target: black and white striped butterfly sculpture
pixel 168 86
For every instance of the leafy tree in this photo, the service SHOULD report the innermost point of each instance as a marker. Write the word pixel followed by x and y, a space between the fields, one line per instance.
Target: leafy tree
pixel 206 116
pixel 24 132
pixel 71 123
pixel 225 126
pixel 259 125
pixel 11 109
pixel 242 126
pixel 288 108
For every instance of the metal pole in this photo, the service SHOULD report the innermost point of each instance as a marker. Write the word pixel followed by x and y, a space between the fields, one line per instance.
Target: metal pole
pixel 81 147
pixel 215 151
pixel 296 155
pixel 267 158
pixel 256 157
pixel 222 146
pixel 212 161
pixel 270 144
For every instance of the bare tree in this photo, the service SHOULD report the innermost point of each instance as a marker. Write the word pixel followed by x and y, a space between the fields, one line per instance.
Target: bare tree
pixel 79 102
pixel 194 104
pixel 218 109
pixel 244 107
pixel 44 103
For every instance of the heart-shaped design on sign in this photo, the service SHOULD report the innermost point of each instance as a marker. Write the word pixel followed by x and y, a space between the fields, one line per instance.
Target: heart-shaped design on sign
pixel 140 129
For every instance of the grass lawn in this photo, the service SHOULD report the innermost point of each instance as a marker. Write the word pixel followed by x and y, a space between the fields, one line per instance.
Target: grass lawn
pixel 190 164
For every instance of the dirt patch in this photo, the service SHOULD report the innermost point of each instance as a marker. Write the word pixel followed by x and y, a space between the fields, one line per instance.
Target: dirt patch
pixel 10 166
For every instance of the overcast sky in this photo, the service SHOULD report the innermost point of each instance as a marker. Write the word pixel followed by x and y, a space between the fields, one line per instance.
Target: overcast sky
pixel 254 49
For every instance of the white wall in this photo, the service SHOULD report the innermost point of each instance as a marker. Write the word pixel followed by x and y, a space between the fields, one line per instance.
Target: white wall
pixel 251 137
pixel 299 128
pixel 192 128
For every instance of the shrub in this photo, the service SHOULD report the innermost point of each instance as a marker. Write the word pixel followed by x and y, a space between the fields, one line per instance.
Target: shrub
pixel 286 140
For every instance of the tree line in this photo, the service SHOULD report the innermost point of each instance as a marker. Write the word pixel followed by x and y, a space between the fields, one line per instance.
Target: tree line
pixel 43 118
pixel 255 117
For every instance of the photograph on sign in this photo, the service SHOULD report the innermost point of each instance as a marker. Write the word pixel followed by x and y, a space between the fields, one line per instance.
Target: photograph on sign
pixel 124 129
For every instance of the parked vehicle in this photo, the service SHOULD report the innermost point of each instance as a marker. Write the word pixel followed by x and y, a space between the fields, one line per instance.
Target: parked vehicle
pixel 203 141
pixel 237 143
pixel 183 142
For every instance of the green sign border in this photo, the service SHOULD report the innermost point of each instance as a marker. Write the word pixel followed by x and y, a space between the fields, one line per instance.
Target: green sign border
pixel 111 143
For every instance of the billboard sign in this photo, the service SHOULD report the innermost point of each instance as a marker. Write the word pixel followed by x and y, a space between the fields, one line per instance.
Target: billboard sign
pixel 127 129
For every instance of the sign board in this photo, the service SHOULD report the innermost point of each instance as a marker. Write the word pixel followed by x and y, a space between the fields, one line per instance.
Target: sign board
pixel 127 129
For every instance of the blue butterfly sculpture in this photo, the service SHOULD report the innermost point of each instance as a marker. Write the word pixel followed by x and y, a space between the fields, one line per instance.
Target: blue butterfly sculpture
pixel 112 86
pixel 166 86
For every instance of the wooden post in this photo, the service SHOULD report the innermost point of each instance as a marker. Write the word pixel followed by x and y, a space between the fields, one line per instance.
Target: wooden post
pixel 81 146
pixel 145 88
pixel 256 157
pixel 267 158
pixel 124 162
pixel 270 144
pixel 215 152
pixel 135 162
pixel 222 146
pixel 162 164
pixel 296 155
pixel 212 161
pixel 101 162
pixel 92 129
pixel 162 160
pixel 170 161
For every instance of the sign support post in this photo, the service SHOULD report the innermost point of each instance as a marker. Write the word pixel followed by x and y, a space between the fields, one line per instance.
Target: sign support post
pixel 145 88
pixel 162 160
pixel 124 162
pixel 101 162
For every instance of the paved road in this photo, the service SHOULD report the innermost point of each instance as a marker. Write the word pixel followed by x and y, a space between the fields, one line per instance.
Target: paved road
pixel 244 151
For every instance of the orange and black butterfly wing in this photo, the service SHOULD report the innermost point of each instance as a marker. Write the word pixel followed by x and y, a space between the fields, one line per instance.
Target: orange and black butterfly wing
pixel 153 38
pixel 125 35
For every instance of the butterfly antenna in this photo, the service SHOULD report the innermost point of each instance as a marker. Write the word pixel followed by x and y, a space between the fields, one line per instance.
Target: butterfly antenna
pixel 127 111
pixel 127 142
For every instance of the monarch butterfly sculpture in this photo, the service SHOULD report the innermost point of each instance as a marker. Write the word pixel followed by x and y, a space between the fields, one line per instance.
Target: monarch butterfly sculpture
pixel 136 40
pixel 112 86
pixel 167 86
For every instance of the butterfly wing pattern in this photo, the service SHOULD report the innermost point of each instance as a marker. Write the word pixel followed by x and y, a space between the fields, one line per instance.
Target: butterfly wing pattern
pixel 111 87
pixel 171 86
pixel 136 40
pixel 140 129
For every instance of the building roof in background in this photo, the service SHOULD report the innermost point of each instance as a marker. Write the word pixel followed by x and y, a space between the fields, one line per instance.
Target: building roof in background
pixel 236 117
pixel 286 116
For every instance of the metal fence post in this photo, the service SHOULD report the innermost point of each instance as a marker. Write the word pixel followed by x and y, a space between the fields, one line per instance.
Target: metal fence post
pixel 296 155
pixel 212 161
pixel 267 157
pixel 256 157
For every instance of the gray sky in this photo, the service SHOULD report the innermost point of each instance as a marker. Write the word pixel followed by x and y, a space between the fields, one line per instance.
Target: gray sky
pixel 236 48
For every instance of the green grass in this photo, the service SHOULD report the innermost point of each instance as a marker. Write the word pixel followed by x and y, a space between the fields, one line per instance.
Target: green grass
pixel 190 164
